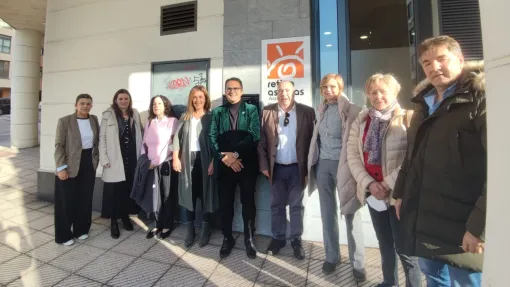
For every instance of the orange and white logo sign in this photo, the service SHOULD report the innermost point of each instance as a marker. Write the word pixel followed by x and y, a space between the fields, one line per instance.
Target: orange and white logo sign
pixel 285 60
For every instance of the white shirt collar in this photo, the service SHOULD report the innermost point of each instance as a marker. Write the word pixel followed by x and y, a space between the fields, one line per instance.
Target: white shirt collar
pixel 291 110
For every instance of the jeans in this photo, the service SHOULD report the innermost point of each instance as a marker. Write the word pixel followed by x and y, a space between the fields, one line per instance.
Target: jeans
pixel 286 190
pixel 439 274
pixel 386 226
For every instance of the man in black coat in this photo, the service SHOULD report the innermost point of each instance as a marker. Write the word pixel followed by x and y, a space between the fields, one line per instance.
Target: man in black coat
pixel 441 189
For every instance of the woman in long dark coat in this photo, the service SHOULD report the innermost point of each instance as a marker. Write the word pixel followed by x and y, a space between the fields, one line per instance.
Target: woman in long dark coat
pixel 193 159
pixel 120 141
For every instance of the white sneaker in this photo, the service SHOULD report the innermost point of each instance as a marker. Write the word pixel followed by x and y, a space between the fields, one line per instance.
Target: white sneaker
pixel 68 243
pixel 83 237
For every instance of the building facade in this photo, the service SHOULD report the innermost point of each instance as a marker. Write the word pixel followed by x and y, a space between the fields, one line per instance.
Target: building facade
pixel 125 37
pixel 6 33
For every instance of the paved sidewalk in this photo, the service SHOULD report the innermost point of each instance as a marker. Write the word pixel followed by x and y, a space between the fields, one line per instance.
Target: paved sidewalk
pixel 29 256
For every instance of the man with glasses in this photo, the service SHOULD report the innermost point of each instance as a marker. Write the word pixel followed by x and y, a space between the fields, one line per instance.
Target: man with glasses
pixel 234 133
pixel 286 132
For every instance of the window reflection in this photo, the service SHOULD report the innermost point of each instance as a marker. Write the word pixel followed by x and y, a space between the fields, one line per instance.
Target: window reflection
pixel 379 41
pixel 328 37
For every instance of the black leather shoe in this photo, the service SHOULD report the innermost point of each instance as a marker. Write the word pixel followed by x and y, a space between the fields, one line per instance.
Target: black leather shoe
pixel 163 235
pixel 152 233
pixel 328 267
pixel 275 246
pixel 250 247
pixel 297 246
pixel 227 246
pixel 359 275
pixel 115 232
pixel 126 223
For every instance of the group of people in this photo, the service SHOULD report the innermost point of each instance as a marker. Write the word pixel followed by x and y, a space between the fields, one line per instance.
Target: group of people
pixel 422 173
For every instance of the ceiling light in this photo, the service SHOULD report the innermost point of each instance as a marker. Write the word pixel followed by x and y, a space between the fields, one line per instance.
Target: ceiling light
pixel 329 45
pixel 363 37
pixel 327 33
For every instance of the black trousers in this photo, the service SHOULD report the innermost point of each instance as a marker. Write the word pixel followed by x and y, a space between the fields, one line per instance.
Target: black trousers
pixel 73 201
pixel 386 226
pixel 196 187
pixel 166 216
pixel 228 182
pixel 116 200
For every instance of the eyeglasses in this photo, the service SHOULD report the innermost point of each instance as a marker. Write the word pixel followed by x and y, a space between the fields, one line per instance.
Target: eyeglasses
pixel 331 87
pixel 286 120
pixel 233 89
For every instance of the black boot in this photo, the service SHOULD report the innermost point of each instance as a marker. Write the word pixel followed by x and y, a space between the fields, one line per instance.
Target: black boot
pixel 249 232
pixel 115 232
pixel 205 234
pixel 227 246
pixel 190 236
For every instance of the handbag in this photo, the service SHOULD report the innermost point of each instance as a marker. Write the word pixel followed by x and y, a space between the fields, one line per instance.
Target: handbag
pixel 165 168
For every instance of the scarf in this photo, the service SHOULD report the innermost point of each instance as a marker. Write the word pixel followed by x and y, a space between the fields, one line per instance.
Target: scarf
pixel 379 121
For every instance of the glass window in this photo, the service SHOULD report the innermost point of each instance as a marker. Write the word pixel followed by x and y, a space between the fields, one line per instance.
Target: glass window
pixel 328 37
pixel 5 44
pixel 174 80
pixel 4 70
pixel 379 42
pixel 331 31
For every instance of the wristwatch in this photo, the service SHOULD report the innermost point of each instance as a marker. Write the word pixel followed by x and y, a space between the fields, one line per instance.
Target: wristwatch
pixel 235 154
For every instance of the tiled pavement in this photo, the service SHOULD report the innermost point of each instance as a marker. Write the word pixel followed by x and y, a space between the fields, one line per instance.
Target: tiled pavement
pixel 29 256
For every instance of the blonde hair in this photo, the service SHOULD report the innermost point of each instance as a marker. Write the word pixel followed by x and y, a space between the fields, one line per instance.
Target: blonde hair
pixel 190 109
pixel 388 79
pixel 332 76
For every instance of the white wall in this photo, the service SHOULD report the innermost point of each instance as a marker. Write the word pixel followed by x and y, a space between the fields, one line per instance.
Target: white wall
pixel 496 48
pixel 365 63
pixel 98 47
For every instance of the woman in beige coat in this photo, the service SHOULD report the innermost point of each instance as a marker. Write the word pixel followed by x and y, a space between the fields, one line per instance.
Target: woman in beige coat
pixel 119 148
pixel 328 170
pixel 375 150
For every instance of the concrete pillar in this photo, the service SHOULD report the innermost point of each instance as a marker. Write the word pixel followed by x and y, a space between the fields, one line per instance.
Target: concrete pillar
pixel 25 86
pixel 496 46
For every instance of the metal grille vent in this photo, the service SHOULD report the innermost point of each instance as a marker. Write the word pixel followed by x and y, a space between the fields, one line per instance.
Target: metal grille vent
pixel 179 18
pixel 460 19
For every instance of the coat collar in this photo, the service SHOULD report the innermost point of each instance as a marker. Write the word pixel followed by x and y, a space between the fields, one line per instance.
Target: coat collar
pixel 299 115
pixel 343 105
pixel 472 78
pixel 75 129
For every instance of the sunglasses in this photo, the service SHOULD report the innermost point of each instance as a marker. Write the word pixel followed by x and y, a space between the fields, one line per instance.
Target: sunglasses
pixel 286 120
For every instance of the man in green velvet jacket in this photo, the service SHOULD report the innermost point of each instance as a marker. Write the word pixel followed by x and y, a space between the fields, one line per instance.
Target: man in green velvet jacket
pixel 235 132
